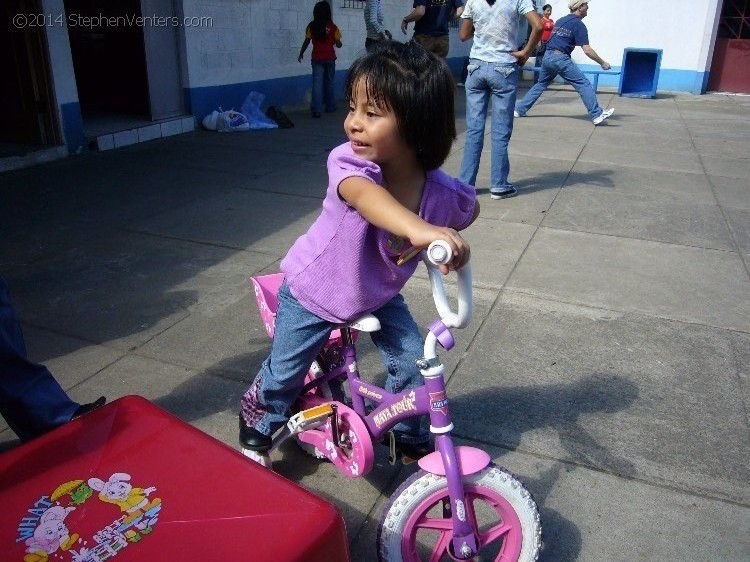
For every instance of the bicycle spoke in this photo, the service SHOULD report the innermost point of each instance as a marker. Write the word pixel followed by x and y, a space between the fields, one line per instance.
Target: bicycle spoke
pixel 441 547
pixel 494 533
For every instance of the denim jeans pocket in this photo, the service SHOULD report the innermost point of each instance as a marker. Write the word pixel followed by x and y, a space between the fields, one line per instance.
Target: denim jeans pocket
pixel 506 69
pixel 471 68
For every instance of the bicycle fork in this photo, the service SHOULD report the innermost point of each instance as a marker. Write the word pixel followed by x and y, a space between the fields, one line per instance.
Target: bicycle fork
pixel 445 460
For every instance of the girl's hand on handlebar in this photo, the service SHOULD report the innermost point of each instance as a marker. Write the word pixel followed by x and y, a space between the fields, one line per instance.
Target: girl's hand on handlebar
pixel 459 247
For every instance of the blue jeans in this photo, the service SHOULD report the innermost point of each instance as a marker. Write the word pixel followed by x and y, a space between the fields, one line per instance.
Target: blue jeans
pixel 323 74
pixel 556 62
pixel 500 81
pixel 31 400
pixel 299 335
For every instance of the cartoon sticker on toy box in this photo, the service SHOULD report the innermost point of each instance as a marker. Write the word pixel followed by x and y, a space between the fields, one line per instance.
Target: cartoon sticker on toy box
pixel 116 515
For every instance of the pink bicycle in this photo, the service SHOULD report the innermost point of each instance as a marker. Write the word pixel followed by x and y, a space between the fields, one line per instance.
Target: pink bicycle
pixel 459 505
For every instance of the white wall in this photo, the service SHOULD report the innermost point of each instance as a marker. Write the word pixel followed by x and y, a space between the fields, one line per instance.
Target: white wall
pixel 683 29
pixel 260 39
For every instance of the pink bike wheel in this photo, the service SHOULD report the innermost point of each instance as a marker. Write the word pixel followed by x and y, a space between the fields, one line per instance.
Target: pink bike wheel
pixel 415 527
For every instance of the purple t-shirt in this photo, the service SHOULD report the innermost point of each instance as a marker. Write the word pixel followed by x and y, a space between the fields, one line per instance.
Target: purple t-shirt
pixel 344 267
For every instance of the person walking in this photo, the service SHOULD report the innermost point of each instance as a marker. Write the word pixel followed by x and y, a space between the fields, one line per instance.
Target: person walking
pixel 324 35
pixel 493 72
pixel 431 19
pixel 374 23
pixel 568 33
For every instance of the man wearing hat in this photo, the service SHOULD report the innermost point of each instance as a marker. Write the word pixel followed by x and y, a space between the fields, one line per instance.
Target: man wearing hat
pixel 568 33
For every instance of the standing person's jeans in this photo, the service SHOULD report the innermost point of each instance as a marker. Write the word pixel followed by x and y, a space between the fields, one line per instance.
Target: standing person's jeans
pixel 31 400
pixel 556 62
pixel 500 81
pixel 299 335
pixel 323 82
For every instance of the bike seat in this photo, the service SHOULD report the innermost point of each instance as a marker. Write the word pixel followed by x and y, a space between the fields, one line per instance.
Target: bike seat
pixel 366 323
pixel 266 287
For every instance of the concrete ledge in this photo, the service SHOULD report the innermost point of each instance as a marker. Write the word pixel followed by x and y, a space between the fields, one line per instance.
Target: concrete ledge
pixel 163 129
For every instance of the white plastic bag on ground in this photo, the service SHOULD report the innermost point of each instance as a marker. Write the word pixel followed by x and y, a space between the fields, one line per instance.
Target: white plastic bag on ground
pixel 211 121
pixel 232 121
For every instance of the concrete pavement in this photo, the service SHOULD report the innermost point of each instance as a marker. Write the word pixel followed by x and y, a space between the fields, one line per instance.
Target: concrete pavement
pixel 608 361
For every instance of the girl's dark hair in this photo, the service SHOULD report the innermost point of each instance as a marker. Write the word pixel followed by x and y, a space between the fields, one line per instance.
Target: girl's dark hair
pixel 546 6
pixel 419 88
pixel 321 18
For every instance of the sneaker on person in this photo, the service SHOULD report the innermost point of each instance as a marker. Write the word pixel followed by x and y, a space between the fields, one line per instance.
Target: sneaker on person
pixel 516 114
pixel 604 115
pixel 502 192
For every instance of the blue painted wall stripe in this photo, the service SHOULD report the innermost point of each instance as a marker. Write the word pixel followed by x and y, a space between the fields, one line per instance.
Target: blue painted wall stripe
pixel 72 125
pixel 669 79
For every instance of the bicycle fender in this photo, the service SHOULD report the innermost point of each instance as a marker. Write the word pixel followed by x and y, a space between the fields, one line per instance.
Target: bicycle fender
pixel 470 459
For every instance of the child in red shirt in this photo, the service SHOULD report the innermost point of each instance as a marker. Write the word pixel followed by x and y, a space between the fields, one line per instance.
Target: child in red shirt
pixel 324 35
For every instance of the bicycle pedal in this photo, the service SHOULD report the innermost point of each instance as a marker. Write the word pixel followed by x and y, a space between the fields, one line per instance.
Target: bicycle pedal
pixel 310 418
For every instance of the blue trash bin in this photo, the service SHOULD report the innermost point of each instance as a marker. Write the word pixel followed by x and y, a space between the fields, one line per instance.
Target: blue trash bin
pixel 640 72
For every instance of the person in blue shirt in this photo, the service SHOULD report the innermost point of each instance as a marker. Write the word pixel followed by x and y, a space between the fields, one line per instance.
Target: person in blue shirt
pixel 569 32
pixel 431 19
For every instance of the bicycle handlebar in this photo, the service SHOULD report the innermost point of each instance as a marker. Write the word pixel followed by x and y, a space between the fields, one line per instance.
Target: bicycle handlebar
pixel 439 252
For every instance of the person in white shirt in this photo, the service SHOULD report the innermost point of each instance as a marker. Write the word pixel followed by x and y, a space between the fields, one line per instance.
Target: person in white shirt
pixel 494 64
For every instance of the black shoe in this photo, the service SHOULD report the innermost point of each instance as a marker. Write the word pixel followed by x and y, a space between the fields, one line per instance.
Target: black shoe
pixel 406 452
pixel 251 438
pixel 414 451
pixel 86 408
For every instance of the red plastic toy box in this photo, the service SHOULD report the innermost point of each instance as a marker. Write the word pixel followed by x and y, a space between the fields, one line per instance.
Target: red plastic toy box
pixel 130 481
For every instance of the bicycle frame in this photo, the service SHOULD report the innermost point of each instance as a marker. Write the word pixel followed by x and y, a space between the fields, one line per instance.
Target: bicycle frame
pixel 430 399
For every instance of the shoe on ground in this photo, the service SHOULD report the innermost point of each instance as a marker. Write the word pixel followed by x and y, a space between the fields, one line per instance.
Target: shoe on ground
pixel 605 114
pixel 503 192
pixel 252 439
pixel 86 408
pixel 516 114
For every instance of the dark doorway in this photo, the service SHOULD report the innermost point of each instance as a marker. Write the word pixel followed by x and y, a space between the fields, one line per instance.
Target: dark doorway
pixel 108 57
pixel 730 65
pixel 29 118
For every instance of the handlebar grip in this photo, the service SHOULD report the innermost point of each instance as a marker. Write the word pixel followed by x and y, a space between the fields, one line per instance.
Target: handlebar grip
pixel 439 252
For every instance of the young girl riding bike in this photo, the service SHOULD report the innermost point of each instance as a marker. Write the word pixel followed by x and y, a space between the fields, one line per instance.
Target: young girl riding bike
pixel 386 197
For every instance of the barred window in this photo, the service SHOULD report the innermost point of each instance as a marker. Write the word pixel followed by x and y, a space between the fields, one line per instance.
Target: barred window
pixel 735 20
pixel 356 4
